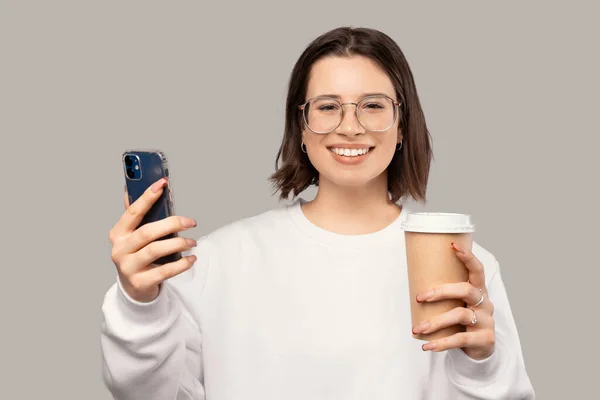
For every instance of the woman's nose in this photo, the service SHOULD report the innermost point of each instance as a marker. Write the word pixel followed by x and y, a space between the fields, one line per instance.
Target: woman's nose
pixel 350 124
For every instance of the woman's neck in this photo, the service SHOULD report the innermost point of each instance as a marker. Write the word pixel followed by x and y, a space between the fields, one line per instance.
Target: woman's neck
pixel 352 210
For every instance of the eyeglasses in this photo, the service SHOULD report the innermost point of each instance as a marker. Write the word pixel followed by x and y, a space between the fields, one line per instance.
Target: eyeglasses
pixel 375 113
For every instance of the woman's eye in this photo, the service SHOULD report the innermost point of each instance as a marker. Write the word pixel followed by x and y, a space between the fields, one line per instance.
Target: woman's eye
pixel 327 107
pixel 373 105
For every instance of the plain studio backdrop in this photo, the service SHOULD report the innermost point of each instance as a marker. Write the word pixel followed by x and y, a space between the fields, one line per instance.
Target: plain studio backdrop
pixel 510 92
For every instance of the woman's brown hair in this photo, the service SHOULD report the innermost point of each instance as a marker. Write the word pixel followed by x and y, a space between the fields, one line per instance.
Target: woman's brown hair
pixel 408 172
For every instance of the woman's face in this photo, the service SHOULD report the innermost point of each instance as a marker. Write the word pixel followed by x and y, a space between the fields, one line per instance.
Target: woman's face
pixel 332 154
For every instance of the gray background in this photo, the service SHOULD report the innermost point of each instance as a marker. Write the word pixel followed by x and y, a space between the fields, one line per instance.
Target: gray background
pixel 510 92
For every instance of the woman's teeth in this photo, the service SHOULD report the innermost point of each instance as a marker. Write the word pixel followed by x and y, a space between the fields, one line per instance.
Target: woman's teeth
pixel 349 152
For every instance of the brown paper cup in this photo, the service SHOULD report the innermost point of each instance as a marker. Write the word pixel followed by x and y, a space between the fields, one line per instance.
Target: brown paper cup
pixel 432 261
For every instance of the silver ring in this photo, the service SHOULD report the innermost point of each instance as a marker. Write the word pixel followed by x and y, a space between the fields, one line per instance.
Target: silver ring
pixel 474 320
pixel 481 299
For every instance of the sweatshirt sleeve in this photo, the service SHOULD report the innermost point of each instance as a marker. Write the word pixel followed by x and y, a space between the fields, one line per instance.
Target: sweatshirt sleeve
pixel 503 374
pixel 153 350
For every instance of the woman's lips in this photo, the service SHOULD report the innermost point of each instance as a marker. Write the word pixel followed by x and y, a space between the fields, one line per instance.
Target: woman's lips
pixel 348 156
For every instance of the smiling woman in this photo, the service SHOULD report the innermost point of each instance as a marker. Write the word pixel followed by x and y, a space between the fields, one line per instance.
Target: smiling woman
pixel 310 301
pixel 372 124
pixel 359 89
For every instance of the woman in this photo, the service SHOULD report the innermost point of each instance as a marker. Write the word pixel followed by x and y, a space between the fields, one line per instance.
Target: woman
pixel 309 301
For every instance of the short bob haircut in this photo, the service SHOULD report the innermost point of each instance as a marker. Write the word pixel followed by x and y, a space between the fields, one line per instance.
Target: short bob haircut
pixel 408 172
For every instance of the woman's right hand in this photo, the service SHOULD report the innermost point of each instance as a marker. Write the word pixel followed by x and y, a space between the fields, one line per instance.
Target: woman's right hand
pixel 134 250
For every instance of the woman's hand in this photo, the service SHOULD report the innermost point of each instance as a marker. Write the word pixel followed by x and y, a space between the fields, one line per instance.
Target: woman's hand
pixel 135 249
pixel 479 339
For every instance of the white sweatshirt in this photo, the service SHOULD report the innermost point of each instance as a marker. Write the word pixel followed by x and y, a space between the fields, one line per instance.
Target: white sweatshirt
pixel 276 308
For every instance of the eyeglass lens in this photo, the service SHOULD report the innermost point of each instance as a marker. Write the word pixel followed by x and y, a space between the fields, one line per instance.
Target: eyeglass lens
pixel 376 113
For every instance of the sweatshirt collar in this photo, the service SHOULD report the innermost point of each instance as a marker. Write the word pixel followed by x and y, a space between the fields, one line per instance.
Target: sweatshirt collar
pixel 391 235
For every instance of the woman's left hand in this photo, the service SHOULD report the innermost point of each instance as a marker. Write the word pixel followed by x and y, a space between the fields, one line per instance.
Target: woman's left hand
pixel 479 339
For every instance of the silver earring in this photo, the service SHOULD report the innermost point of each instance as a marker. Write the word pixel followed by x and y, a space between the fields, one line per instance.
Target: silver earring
pixel 399 146
pixel 303 147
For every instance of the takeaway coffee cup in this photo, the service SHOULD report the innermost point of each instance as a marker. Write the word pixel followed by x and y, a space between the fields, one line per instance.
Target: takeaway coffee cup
pixel 432 262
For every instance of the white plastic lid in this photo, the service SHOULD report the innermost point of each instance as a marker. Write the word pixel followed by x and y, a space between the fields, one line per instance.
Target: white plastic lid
pixel 436 222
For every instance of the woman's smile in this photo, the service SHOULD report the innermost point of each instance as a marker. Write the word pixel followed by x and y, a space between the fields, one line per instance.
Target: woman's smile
pixel 350 154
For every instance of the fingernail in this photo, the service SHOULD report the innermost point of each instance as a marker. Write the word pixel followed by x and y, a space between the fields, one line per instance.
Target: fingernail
pixel 422 327
pixel 461 250
pixel 158 185
pixel 429 346
pixel 424 296
pixel 191 242
pixel 456 248
pixel 188 222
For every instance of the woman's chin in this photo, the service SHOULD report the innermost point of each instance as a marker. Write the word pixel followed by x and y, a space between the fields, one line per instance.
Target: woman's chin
pixel 353 179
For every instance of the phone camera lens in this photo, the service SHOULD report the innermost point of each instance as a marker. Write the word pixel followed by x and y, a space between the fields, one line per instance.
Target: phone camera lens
pixel 130 173
pixel 128 161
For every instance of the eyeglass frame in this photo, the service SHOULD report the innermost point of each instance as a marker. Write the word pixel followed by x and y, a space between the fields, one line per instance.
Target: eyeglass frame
pixel 396 104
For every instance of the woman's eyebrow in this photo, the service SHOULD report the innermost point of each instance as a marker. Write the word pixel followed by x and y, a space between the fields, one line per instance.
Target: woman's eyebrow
pixel 338 97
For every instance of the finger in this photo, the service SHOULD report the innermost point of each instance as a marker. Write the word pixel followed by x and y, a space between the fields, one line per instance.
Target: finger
pixel 126 198
pixel 459 290
pixel 159 274
pixel 456 316
pixel 475 267
pixel 160 248
pixel 483 340
pixel 152 231
pixel 134 214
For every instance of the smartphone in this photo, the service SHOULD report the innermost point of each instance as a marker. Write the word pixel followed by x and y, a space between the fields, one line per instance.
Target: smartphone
pixel 141 169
